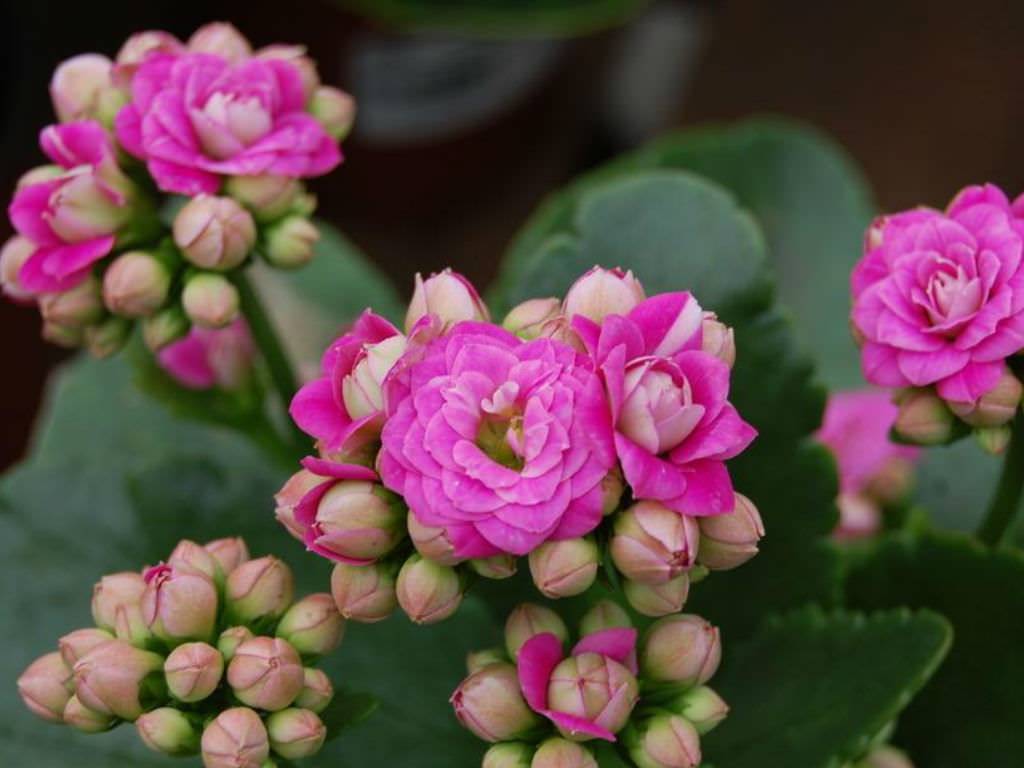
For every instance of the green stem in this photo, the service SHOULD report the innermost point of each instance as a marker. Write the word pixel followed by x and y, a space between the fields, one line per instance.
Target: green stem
pixel 1004 505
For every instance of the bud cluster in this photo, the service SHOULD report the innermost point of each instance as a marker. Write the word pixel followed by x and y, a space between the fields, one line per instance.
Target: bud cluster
pixel 173 645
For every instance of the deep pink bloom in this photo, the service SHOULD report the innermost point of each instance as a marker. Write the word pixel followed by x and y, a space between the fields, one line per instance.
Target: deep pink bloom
pixel 210 357
pixel 938 298
pixel 674 426
pixel 197 117
pixel 501 442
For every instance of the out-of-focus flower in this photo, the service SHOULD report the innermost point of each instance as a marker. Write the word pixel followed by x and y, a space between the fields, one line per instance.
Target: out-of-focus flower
pixel 334 109
pixel 211 357
pixel 82 89
pixel 210 300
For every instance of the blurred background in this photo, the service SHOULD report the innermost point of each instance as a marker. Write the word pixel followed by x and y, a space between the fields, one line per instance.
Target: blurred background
pixel 471 110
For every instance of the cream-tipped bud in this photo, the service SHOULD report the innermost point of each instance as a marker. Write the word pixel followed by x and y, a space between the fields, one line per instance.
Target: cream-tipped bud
pixel 923 418
pixel 432 543
pixel 449 296
pixel 296 56
pixel 364 593
pixel 230 639
pixel 77 307
pixel 562 753
pixel 136 284
pixel 683 649
pixel 702 707
pixel 189 556
pixel 495 567
pixel 13 255
pixel 653 544
pixel 317 690
pixel 220 39
pixel 259 591
pixel 527 320
pixel 214 232
pixel 74 645
pixel 169 731
pixel 266 673
pixel 290 242
pixel 658 599
pixel 268 197
pixel 427 591
pixel 529 619
pixel 45 687
pixel 718 339
pixel 193 671
pixel 510 754
pixel 612 487
pixel 334 109
pixel 78 87
pixel 86 720
pixel 601 292
pixel 229 552
pixel 996 407
pixel 490 704
pixel 296 733
pixel 664 741
pixel 236 738
pixel 313 625
pixel 210 300
pixel 604 614
pixel 564 568
pixel 727 541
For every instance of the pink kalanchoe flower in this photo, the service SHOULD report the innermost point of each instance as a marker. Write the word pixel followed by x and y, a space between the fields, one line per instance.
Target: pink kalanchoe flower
pixel 210 357
pixel 674 426
pixel 501 442
pixel 197 117
pixel 938 298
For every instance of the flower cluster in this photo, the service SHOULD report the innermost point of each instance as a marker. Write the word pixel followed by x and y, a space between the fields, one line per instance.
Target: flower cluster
pixel 478 443
pixel 536 703
pixel 205 653
pixel 209 135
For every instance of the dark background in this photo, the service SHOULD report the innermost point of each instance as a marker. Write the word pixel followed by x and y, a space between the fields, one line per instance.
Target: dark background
pixel 925 96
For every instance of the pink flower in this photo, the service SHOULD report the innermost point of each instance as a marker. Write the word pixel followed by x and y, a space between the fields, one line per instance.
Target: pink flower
pixel 938 298
pixel 72 218
pixel 195 117
pixel 501 442
pixel 674 426
pixel 210 357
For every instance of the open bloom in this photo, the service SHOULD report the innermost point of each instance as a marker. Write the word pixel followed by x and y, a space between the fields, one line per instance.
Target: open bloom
pixel 502 443
pixel 674 426
pixel 938 298
pixel 210 357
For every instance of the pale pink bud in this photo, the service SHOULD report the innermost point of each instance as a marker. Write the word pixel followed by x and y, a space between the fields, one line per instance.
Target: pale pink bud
pixel 164 327
pixel 728 541
pixel 923 418
pixel 527 320
pixel 83 208
pixel 993 440
pixel 117 606
pixel 665 741
pixel 38 175
pixel 193 671
pixel 361 389
pixel 562 753
pixel 296 733
pixel 432 543
pixel 45 686
pixel 76 307
pixel 564 568
pixel 291 493
pixel 859 517
pixel 230 639
pixel 189 556
pixel 560 329
pixel 237 738
pixel 290 242
pixel 604 614
pixel 221 39
pixel 529 619
pixel 359 520
pixel 168 731
pixel 449 296
pixel 214 232
pixel 296 56
pixel 266 673
pixel 364 593
pixel 718 339
pixel 313 625
pixel 658 599
pixel 210 300
pixel 268 197
pixel 259 590
pixel 612 487
pixel 702 707
pixel 427 591
pixel 179 604
pixel 885 757
pixel 490 704
pixel 77 86
pixel 115 678
pixel 595 688
pixel 658 410
pixel 107 337
pixel 229 552
pixel 136 284
pixel 496 567
pixel 83 719
pixel 996 407
pixel 317 691
pixel 653 544
pixel 14 254
pixel 135 50
pixel 65 336
pixel 602 292
pixel 334 109
pixel 477 660
pixel 681 649
pixel 74 645
pixel 511 754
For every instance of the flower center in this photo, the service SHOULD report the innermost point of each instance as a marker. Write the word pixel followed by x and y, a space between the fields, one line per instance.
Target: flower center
pixel 500 434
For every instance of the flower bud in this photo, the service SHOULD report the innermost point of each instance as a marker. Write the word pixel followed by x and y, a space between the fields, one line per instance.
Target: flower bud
pixel 665 741
pixel 63 335
pixel 214 232
pixel 135 50
pixel 266 673
pixel 289 243
pixel 477 660
pixel 296 56
pixel 496 567
pixel 364 593
pixel 316 692
pixel 237 738
pixel 115 678
pixel 681 649
pixel 107 338
pixel 313 625
pixel 117 606
pixel 230 639
pixel 564 568
pixel 359 520
pixel 728 541
pixel 268 197
pixel 529 619
pixel 334 109
pixel 595 688
pixel 490 704
pixel 612 487
pixel 885 757
pixel 448 295
pixel 527 320
pixel 288 498
pixel 996 407
pixel 432 543
pixel 229 552
pixel 993 440
pixel 259 590
pixel 427 591
pixel 189 556
pixel 859 517
pixel 13 256
pixel 193 671
pixel 718 339
pixel 361 389
pixel 296 733
pixel 76 307
pixel 38 175
pixel 45 687
pixel 83 719
pixel 653 544
pixel 604 614
pixel 658 599
pixel 210 300
pixel 179 604
pixel 221 39
pixel 77 87
pixel 562 753
pixel 702 707
pixel 602 292
pixel 136 284
pixel 923 418
pixel 168 731
pixel 164 327
pixel 511 754
pixel 75 645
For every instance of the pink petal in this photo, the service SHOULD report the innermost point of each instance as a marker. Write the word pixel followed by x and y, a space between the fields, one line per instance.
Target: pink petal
pixel 649 476
pixel 62 267
pixel 128 129
pixel 325 468
pixel 967 385
pixel 922 368
pixel 708 490
pixel 880 365
pixel 172 177
pixel 316 412
pixel 538 658
pixel 669 322
pixel 618 643
pixel 725 437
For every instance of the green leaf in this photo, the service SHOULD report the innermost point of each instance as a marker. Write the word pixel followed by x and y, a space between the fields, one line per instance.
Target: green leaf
pixel 970 713
pixel 813 689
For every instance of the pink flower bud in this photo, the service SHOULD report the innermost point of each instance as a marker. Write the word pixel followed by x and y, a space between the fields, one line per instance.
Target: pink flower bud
pixel 76 308
pixel 237 738
pixel 653 544
pixel 361 389
pixel 885 757
pixel 193 671
pixel 511 754
pixel 859 517
pixel 595 688
pixel 83 719
pixel 117 606
pixel 334 109
pixel 562 753
pixel 164 327
pixel 665 741
pixel 115 678
pixel 45 687
pixel 681 649
pixel 290 242
pixel 296 56
pixel 702 707
pixel 107 337
pixel 229 552
pixel 996 407
pixel 259 590
pixel 658 599
pixel 189 556
pixel 602 292
pixel 728 541
pixel 496 567
pixel 179 604
pixel 313 625
pixel 230 639
pixel 448 295
pixel 718 339
pixel 529 619
pixel 220 39
pixel 490 704
pixel 291 493
pixel 477 660
pixel 296 733
pixel 267 197
pixel 359 520
pixel 658 410
pixel 136 48
pixel 604 614
pixel 527 320
pixel 210 300
pixel 432 543
pixel 65 336
pixel 612 487
pixel 993 440
pixel 364 593
pixel 564 568
pixel 14 254
pixel 38 175
pixel 168 731
pixel 266 673
pixel 136 284
pixel 427 591
pixel 84 207
pixel 75 645
pixel 923 418
pixel 214 232
pixel 317 691
pixel 77 86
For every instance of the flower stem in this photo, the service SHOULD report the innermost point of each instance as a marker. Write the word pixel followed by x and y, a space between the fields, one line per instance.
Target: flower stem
pixel 1004 505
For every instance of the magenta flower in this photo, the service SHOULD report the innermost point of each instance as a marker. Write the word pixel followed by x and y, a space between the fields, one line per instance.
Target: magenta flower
pixel 502 443
pixel 195 117
pixel 210 357
pixel 938 298
pixel 674 426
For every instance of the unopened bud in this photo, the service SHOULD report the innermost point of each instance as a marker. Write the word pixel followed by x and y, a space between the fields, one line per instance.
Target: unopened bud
pixel 923 418
pixel 317 690
pixel 364 593
pixel 718 339
pixel 115 678
pixel 210 300
pixel 221 39
pixel 728 541
pixel 78 85
pixel 527 320
pixel 75 645
pixel 288 498
pixel 135 50
pixel 449 296
pixel 496 567
pixel 334 109
pixel 296 733
pixel 76 308
pixel 69 337
pixel 38 175
pixel 164 327
pixel 477 660
pixel 266 673
pixel 490 704
pixel 230 639
pixel 665 741
pixel 612 487
pixel 193 671
pixel 564 568
pixel 605 614
pixel 658 599
pixel 529 619
pixel 117 606
pixel 359 520
pixel 179 604
pixel 289 243
pixel 562 753
pixel 268 197
pixel 313 625
pixel 189 556
pixel 45 686
pixel 214 232
pixel 83 719
pixel 702 707
pixel 229 552
pixel 993 440
pixel 237 738
pixel 13 255
pixel 427 591
pixel 681 649
pixel 511 754
pixel 136 284
pixel 602 292
pixel 259 591
pixel 107 337
pixel 168 731
pixel 653 544
pixel 996 407
pixel 432 543
pixel 885 757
